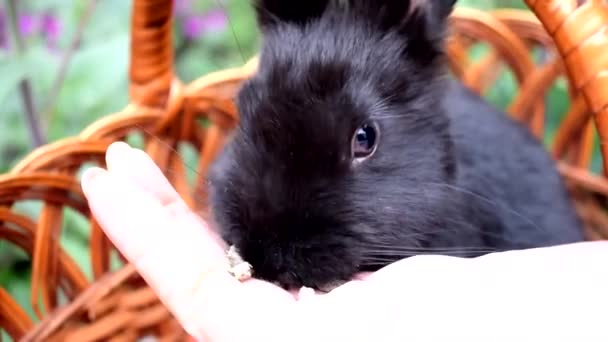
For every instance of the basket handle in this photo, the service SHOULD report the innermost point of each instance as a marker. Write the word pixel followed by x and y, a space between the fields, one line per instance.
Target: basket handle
pixel 580 31
pixel 151 52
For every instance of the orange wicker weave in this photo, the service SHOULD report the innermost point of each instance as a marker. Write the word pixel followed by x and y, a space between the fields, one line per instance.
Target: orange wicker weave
pixel 118 306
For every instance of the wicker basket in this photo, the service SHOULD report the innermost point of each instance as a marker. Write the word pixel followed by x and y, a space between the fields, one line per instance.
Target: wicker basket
pixel 117 305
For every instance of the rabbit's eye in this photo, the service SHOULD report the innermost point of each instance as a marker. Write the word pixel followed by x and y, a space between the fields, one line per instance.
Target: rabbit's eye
pixel 364 141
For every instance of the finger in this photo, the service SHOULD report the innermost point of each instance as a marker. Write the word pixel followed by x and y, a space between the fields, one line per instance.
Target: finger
pixel 136 166
pixel 180 261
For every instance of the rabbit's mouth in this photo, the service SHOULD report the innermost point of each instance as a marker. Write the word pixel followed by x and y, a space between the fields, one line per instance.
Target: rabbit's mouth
pixel 335 284
pixel 328 287
pixel 242 271
pixel 331 286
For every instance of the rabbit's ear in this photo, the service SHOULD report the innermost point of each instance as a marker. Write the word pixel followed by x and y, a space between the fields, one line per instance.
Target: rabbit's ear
pixel 274 12
pixel 421 22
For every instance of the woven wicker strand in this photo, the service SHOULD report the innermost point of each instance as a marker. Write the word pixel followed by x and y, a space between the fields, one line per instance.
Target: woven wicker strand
pixel 116 305
pixel 580 35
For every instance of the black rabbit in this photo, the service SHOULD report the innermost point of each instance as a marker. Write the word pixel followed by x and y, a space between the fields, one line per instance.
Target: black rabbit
pixel 356 149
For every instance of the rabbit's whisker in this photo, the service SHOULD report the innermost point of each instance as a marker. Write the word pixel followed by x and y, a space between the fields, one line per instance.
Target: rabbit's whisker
pixel 485 199
pixel 405 249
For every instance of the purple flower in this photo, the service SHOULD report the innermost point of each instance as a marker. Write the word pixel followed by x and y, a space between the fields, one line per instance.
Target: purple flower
pixel 3 29
pixel 192 27
pixel 27 24
pixel 46 25
pixel 213 21
pixel 51 28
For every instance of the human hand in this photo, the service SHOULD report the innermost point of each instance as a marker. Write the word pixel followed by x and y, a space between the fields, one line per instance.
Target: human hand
pixel 547 294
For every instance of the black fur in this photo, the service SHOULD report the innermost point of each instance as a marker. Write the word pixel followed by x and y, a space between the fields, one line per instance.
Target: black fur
pixel 450 171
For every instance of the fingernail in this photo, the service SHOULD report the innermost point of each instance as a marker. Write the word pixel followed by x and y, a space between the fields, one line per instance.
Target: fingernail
pixel 118 147
pixel 88 176
pixel 118 153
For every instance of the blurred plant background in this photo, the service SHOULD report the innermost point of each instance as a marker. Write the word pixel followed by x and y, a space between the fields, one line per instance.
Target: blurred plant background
pixel 63 64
